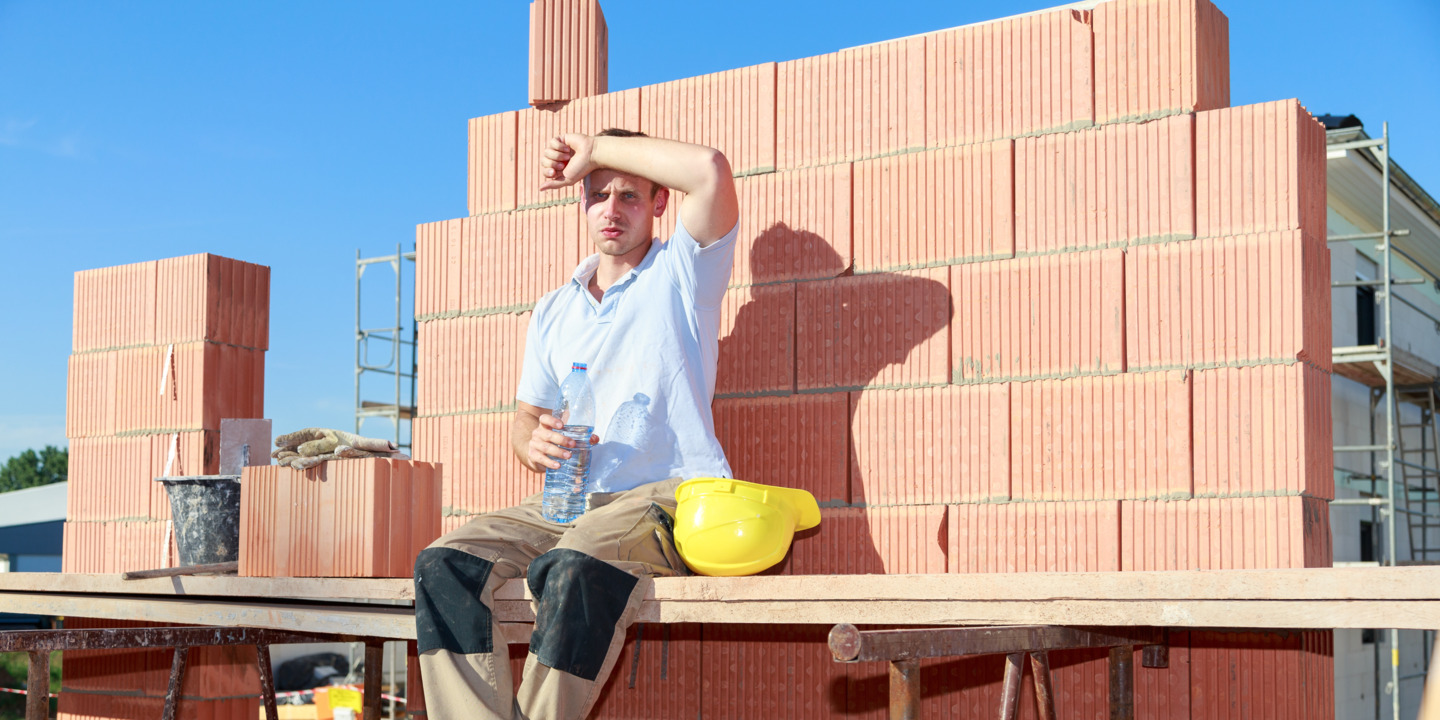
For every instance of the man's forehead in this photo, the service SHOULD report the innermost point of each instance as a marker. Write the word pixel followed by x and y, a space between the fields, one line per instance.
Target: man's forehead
pixel 615 180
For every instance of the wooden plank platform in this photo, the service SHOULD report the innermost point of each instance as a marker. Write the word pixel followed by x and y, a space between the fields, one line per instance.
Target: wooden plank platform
pixel 1402 597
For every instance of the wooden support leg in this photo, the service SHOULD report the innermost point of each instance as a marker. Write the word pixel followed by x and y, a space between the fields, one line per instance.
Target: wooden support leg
pixel 267 682
pixel 37 686
pixel 1122 682
pixel 414 684
pixel 374 663
pixel 905 690
pixel 1044 694
pixel 1430 696
pixel 1010 691
pixel 177 677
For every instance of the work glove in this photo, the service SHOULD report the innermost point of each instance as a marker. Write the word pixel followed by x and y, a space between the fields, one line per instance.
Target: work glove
pixel 307 448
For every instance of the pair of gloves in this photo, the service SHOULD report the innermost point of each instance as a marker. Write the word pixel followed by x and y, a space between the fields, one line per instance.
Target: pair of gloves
pixel 307 448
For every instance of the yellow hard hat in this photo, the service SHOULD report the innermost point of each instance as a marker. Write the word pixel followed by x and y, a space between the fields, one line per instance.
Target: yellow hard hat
pixel 731 527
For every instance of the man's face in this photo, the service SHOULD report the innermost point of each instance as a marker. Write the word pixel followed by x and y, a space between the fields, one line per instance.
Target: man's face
pixel 621 211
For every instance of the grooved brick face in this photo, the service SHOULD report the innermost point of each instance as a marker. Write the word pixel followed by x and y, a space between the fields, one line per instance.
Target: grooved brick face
pixel 1109 186
pixel 1248 533
pixel 1034 537
pixel 536 126
pixel 569 49
pixel 757 341
pixel 1241 300
pixel 794 225
pixel 115 547
pixel 492 170
pixel 114 307
pixel 658 675
pixel 887 329
pixel 935 208
pixel 1019 76
pixel 732 111
pixel 482 473
pixel 770 671
pixel 1038 317
pixel 497 262
pixel 1094 438
pixel 112 478
pixel 907 539
pixel 1259 168
pixel 470 364
pixel 853 104
pixel 1287 675
pixel 1264 429
pixel 1157 57
pixel 930 446
pixel 799 441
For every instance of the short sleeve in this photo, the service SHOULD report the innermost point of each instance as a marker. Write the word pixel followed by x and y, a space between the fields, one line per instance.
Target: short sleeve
pixel 704 272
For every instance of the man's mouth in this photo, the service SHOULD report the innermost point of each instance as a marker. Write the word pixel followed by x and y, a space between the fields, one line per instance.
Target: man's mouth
pixel 611 232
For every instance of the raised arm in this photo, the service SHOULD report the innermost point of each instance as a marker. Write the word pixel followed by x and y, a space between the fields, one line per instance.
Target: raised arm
pixel 710 209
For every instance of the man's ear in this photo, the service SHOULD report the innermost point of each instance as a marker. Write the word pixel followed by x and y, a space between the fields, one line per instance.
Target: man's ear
pixel 662 199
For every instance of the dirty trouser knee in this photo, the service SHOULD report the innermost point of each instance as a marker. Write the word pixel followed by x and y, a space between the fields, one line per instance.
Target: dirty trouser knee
pixel 463 655
pixel 587 591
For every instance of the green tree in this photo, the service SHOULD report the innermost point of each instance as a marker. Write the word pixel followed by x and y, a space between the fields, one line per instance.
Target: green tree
pixel 32 469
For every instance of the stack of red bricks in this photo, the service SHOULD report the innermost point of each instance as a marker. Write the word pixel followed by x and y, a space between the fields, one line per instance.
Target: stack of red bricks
pixel 162 351
pixel 1020 296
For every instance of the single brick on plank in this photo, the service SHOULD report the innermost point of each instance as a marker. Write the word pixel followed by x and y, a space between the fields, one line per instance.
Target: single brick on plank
pixel 937 207
pixel 796 225
pixel 1159 57
pixel 1258 168
pixel 757 341
pixel 1264 430
pixel 536 126
pixel 798 441
pixel 930 446
pixel 732 111
pixel 1109 186
pixel 1037 317
pixel 1101 438
pixel 1251 299
pixel 1034 537
pixel 852 104
pixel 1018 76
pixel 881 330
pixel 1247 533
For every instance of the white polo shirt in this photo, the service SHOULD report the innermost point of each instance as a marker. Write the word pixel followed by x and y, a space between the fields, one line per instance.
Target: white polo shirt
pixel 654 340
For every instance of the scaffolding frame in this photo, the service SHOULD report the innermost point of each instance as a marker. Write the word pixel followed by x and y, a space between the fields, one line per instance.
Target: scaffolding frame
pixel 395 341
pixel 1384 508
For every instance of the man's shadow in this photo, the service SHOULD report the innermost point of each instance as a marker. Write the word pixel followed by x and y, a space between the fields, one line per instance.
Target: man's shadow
pixel 857 327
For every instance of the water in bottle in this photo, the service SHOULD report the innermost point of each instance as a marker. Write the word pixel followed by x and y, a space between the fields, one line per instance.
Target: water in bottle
pixel 624 439
pixel 564 498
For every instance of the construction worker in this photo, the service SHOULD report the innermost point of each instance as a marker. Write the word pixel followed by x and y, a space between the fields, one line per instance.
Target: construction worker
pixel 645 316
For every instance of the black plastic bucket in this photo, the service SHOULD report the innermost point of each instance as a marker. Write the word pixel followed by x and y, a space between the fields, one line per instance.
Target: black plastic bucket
pixel 206 513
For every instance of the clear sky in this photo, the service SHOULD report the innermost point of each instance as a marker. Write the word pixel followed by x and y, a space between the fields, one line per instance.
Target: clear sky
pixel 293 134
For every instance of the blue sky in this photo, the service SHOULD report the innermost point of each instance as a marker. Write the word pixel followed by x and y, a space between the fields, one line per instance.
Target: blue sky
pixel 294 134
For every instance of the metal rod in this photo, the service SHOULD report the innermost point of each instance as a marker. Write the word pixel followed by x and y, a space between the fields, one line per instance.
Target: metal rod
pixel 1383 150
pixel 1357 144
pixel 177 678
pixel 374 663
pixel 395 419
pixel 1358 501
pixel 1418 309
pixel 1360 448
pixel 1122 683
pixel 37 686
pixel 1044 691
pixel 1010 691
pixel 1377 283
pixel 359 336
pixel 267 682
pixel 904 689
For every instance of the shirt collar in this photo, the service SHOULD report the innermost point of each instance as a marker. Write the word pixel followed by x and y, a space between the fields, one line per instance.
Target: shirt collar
pixel 587 267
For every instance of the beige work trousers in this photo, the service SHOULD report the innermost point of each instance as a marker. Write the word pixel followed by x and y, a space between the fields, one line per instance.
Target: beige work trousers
pixel 587 577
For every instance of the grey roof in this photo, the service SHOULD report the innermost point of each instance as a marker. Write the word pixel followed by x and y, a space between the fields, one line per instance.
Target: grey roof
pixel 33 505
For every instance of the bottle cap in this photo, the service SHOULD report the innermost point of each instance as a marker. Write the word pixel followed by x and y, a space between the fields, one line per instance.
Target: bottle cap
pixel 578 366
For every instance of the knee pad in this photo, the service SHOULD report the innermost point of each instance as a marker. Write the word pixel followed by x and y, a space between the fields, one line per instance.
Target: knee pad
pixel 448 612
pixel 579 605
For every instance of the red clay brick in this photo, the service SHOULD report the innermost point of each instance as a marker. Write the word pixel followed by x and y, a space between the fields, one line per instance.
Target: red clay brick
pixel 1034 537
pixel 798 441
pixel 492 173
pixel 114 307
pixel 937 207
pixel 115 547
pixel 1024 75
pixel 569 50
pixel 770 671
pixel 1242 300
pixel 482 473
pixel 1159 57
pixel 931 446
pixel 470 363
pixel 796 225
pixel 885 330
pixel 1262 674
pixel 1038 317
pixel 1259 168
pixel 1100 438
pixel 856 103
pixel 1263 429
pixel 732 111
pixel 905 539
pixel 757 341
pixel 1225 533
pixel 658 675
pixel 1105 187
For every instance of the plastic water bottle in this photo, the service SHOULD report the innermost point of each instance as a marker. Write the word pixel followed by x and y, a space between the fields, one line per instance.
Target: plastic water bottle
pixel 624 439
pixel 565 489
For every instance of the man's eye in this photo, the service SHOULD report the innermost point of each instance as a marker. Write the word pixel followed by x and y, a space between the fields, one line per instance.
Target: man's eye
pixel 630 196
